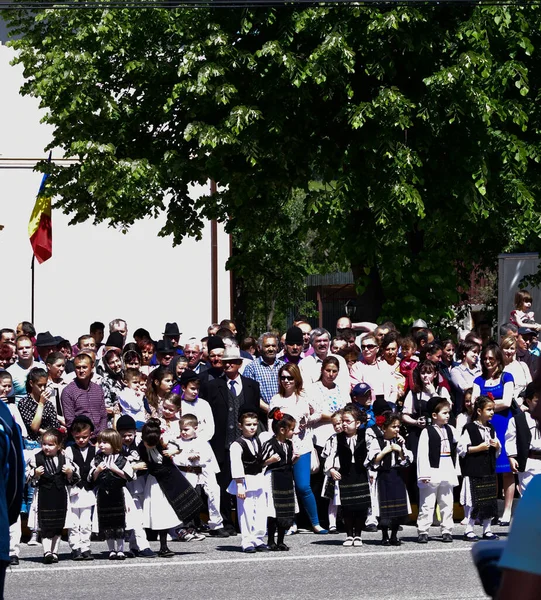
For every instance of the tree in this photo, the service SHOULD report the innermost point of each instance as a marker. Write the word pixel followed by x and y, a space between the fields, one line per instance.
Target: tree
pixel 409 136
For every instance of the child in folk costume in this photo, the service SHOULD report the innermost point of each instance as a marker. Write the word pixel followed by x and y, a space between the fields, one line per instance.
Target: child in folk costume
pixel 346 466
pixel 139 546
pixel 436 471
pixel 386 455
pixel 169 498
pixel 248 484
pixel 523 440
pixel 52 473
pixel 278 456
pixel 82 498
pixel 198 464
pixel 479 447
pixel 170 418
pixel 330 489
pixel 110 472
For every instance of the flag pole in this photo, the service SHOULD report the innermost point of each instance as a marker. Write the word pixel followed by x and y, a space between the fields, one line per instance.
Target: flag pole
pixel 32 294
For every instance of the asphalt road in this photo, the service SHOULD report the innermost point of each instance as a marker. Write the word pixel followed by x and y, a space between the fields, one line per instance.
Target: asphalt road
pixel 316 567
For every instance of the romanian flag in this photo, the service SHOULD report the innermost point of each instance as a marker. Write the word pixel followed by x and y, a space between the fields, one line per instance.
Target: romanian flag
pixel 40 227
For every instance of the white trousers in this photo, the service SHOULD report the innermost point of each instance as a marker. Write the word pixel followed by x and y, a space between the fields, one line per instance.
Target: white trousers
pixel 15 537
pixel 79 534
pixel 138 537
pixel 372 486
pixel 212 490
pixel 533 468
pixel 429 495
pixel 252 516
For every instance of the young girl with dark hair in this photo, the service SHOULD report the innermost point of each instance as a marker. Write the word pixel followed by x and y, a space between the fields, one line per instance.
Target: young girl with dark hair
pixel 278 456
pixel 159 385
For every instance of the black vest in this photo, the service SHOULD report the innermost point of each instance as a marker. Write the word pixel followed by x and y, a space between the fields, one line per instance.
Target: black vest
pixel 479 464
pixel 524 437
pixel 48 480
pixel 343 451
pixel 434 445
pixel 253 463
pixel 273 446
pixel 84 465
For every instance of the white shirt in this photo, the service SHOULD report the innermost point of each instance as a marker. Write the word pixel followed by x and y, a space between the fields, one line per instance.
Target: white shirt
pixel 311 371
pixel 201 409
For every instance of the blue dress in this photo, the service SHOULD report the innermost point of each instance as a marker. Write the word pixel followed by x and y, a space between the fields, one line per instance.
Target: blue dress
pixel 501 419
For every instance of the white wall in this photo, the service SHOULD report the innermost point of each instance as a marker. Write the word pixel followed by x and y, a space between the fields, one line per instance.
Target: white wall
pixel 138 277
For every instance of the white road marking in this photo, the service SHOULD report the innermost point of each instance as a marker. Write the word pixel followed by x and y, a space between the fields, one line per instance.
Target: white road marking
pixel 262 558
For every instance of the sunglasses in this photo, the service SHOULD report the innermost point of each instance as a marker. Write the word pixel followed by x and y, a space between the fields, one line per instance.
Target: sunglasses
pixel 286 378
pixel 368 346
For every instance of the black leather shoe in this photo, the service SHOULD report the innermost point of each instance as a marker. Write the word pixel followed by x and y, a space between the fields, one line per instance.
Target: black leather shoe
pixel 422 538
pixel 249 550
pixel 13 561
pixel 395 542
pixel 76 555
pixel 220 533
pixel 262 548
pixel 447 538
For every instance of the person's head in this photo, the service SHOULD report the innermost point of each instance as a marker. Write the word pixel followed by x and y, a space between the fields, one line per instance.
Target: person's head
pixel 81 430
pixel 526 338
pixel 523 300
pixel 6 384
pixel 329 371
pixel 164 353
pixel 120 326
pixel 160 381
pixel 432 352
pixel 483 409
pixel 343 323
pixel 126 428
pixel 216 349
pixel 508 347
pixel 508 329
pixel 133 379
pixel 147 352
pixel 369 348
pixel 141 335
pixel 171 406
pixel 109 441
pixel 55 364
pixel 232 362
pixel 189 384
pixel 25 328
pixel 306 329
pixel 361 394
pixel 248 422
pixel 131 359
pixel 389 347
pixel 283 425
pixel 229 324
pixel 448 354
pixel 65 348
pixel 468 353
pixel 380 332
pixel 424 375
pixel 268 347
pixel 338 345
pixel 188 427
pixel 321 340
pixel 151 433
pixel 7 335
pixel 51 442
pixel 6 355
pixel 36 382
pixel 97 331
pixel 408 346
pixel 249 344
pixel 532 394
pixel 172 334
pixel 86 342
pixel 421 339
pixel 467 402
pixel 441 411
pixel 212 329
pixel 391 425
pixel 336 421
pixel 294 343
pixel 348 335
pixel 83 363
pixel 491 361
pixel 289 380
pixel 351 358
pixel 351 420
pixel 25 349
pixel 113 362
pixel 192 352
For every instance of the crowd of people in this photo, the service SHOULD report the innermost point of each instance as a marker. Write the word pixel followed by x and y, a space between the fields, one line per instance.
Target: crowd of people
pixel 136 440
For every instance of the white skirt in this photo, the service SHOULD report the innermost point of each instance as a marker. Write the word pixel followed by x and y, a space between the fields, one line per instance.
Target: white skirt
pixel 158 514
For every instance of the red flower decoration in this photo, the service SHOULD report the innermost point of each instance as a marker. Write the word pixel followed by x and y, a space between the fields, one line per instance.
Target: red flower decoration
pixel 278 415
pixel 380 420
pixel 490 396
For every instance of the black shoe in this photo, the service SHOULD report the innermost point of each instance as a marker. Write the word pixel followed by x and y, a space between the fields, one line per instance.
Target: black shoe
pixel 490 536
pixel 147 553
pixel 249 550
pixel 220 533
pixel 48 558
pixel 230 529
pixel 370 528
pixel 385 542
pixel 395 542
pixel 130 554
pixel 282 547
pixel 76 555
pixel 272 547
pixel 112 555
pixel 87 555
pixel 262 548
pixel 165 553
pixel 447 538
pixel 471 537
pixel 422 538
pixel 55 557
pixel 503 523
pixel 13 561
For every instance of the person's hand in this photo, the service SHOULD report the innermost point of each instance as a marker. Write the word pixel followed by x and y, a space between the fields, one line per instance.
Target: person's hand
pixel 495 443
pixel 484 446
pixel 523 408
pixel 39 471
pixel 170 452
pixel 67 470
pixel 421 422
pixel 45 395
pixel 140 466
pixel 513 462
pixel 396 448
pixel 194 457
pixel 241 495
pixel 335 474
pixel 430 389
pixel 400 439
pixel 101 467
pixel 295 456
pixel 273 459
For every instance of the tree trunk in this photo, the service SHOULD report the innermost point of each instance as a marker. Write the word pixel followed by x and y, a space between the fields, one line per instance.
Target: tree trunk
pixel 370 302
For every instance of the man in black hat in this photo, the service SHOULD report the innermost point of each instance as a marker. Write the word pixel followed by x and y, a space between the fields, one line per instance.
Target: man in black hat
pixel 172 335
pixel 164 353
pixel 525 340
pixel 45 344
pixel 293 346
pixel 216 349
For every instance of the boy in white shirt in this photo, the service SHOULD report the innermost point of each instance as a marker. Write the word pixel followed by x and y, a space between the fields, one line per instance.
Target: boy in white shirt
pixel 192 404
pixel 131 398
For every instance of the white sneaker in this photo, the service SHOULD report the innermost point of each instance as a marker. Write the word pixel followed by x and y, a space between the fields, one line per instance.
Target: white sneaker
pixel 348 542
pixel 33 541
pixel 357 541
